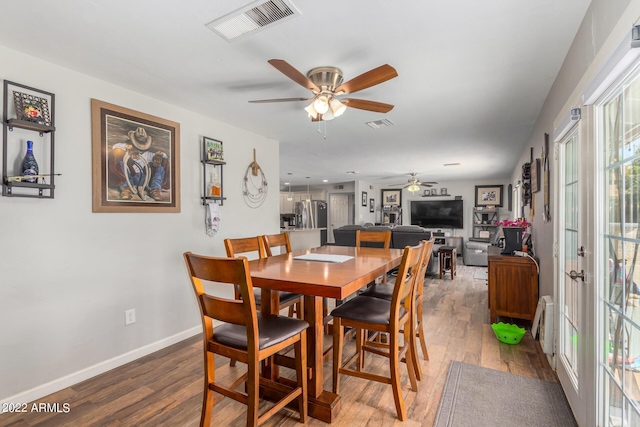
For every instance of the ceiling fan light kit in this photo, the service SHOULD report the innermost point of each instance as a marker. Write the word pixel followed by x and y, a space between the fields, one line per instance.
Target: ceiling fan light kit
pixel 413 184
pixel 413 188
pixel 326 85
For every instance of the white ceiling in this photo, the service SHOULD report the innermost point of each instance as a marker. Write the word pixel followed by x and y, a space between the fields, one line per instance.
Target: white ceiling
pixel 472 75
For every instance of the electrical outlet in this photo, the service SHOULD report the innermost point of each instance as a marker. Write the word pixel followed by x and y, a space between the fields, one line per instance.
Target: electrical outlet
pixel 130 316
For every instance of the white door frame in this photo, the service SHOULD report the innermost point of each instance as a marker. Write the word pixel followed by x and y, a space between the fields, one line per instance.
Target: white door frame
pixel 582 400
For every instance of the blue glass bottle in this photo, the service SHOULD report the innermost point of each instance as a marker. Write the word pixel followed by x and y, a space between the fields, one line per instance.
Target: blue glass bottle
pixel 29 164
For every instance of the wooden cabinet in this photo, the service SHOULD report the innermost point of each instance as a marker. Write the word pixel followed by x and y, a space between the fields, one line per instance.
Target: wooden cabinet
pixel 288 206
pixel 513 286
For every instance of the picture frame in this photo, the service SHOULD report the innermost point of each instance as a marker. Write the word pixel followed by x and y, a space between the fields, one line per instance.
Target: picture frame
pixel 489 195
pixel 391 197
pixel 148 147
pixel 212 150
pixel 372 205
pixel 434 191
pixel 31 108
pixel 443 192
pixel 364 198
pixel 535 176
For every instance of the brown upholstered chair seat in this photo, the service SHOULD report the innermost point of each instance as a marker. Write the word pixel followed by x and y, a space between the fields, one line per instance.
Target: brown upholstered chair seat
pixel 272 330
pixel 366 308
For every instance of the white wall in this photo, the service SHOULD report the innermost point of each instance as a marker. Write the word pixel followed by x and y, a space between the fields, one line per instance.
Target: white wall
pixel 67 275
pixel 605 25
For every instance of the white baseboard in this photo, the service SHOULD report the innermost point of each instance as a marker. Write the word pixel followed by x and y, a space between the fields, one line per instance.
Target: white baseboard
pixel 43 390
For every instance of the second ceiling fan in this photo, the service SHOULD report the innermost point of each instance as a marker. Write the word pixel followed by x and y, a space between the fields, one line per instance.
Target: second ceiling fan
pixel 326 85
pixel 413 184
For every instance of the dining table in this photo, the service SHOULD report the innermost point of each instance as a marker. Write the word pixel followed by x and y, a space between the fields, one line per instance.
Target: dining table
pixel 325 272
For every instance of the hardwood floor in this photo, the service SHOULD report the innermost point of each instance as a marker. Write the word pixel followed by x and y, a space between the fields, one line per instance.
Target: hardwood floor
pixel 165 388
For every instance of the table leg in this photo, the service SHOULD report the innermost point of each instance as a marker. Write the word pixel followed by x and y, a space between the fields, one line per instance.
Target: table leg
pixel 323 404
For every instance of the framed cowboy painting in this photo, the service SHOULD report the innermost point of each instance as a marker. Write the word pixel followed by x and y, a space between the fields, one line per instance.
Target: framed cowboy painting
pixel 136 161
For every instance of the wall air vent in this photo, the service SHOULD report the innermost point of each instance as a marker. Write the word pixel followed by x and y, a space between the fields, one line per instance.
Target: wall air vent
pixel 338 187
pixel 376 124
pixel 252 17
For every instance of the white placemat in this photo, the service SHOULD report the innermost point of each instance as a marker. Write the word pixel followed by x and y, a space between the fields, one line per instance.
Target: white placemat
pixel 324 257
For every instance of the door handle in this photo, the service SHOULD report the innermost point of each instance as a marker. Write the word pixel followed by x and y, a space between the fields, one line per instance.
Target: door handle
pixel 574 275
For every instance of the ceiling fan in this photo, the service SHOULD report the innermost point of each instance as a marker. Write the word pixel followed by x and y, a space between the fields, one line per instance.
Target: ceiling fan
pixel 326 85
pixel 413 184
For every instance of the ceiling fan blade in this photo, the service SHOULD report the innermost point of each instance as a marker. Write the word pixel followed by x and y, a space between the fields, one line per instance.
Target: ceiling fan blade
pixel 288 70
pixel 428 182
pixel 363 104
pixel 258 101
pixel 425 185
pixel 395 185
pixel 370 78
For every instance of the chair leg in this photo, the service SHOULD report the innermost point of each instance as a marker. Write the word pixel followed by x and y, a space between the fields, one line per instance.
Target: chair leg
pixel 338 330
pixel 420 335
pixel 410 356
pixel 253 393
pixel 394 362
pixel 207 398
pixel 410 339
pixel 360 336
pixel 301 374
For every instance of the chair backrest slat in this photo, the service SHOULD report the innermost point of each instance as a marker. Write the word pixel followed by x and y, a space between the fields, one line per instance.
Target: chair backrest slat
pixel 224 310
pixel 379 238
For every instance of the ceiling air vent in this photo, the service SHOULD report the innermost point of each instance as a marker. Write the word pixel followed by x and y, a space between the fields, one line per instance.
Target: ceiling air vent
pixel 376 124
pixel 253 17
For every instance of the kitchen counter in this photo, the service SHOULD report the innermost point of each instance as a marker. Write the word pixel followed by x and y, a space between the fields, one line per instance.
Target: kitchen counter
pixel 303 238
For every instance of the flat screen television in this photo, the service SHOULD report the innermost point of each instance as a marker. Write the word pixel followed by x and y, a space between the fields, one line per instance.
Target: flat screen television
pixel 437 213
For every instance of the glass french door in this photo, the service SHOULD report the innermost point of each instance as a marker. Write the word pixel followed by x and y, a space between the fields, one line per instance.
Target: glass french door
pixel 619 276
pixel 572 290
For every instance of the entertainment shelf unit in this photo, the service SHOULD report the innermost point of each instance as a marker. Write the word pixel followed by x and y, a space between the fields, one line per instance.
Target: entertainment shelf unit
pixel 483 220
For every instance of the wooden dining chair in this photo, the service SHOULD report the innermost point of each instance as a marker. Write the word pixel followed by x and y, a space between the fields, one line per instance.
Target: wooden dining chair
pixel 377 238
pixel 381 239
pixel 256 244
pixel 245 335
pixel 385 291
pixel 375 314
pixel 282 241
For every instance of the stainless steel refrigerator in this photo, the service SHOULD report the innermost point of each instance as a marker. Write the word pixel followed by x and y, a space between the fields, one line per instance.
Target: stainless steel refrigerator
pixel 313 214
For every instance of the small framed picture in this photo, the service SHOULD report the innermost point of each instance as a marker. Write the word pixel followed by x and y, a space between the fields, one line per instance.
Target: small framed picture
pixel 391 198
pixel 443 191
pixel 434 191
pixel 371 205
pixel 489 195
pixel 212 149
pixel 364 198
pixel 31 108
